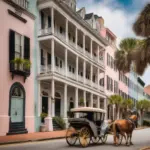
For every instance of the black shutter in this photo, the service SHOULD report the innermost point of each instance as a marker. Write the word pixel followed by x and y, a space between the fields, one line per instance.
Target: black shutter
pixel 42 59
pixel 11 47
pixel 26 48
pixel 49 21
pixel 42 20
pixel 48 58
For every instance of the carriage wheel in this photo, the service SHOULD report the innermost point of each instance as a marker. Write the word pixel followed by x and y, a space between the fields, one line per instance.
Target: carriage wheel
pixel 71 136
pixel 104 138
pixel 95 139
pixel 84 136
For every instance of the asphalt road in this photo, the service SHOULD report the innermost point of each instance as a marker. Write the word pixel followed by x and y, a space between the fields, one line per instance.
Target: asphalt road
pixel 141 138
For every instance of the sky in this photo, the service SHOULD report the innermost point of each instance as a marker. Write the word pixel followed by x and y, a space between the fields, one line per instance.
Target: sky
pixel 119 16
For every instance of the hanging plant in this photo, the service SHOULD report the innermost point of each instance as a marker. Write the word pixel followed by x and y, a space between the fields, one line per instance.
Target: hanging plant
pixel 18 63
pixel 26 64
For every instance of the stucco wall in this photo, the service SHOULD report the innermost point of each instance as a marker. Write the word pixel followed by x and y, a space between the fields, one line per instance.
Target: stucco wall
pixel 9 22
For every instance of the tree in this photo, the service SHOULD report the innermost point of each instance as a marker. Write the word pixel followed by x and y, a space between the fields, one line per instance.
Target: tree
pixel 117 101
pixel 142 106
pixel 127 104
pixel 123 56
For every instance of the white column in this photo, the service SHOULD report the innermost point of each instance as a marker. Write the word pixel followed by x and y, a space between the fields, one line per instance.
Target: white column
pixel 91 100
pixel 53 97
pixel 39 99
pixel 105 107
pixel 84 97
pixel 66 30
pixel 97 77
pixel 76 38
pixel 46 65
pixel 39 58
pixel 52 19
pixel 98 53
pixel 83 43
pixel 66 62
pixel 84 71
pixel 98 103
pixel 91 48
pixel 77 63
pixel 65 101
pixel 76 101
pixel 52 55
pixel 91 75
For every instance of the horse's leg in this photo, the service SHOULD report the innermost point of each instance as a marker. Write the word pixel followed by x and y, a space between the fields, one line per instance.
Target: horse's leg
pixel 123 134
pixel 131 139
pixel 127 138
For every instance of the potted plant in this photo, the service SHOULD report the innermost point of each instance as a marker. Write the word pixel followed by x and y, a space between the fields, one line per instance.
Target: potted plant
pixel 18 63
pixel 26 64
pixel 81 102
pixel 43 126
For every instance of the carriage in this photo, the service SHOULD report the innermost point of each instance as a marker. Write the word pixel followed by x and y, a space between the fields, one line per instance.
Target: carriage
pixel 87 125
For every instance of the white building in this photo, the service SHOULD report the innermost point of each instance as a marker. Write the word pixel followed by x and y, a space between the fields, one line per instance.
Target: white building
pixel 69 62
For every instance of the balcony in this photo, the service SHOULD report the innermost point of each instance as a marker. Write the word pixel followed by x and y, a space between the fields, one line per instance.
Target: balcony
pixel 22 3
pixel 45 31
pixel 71 75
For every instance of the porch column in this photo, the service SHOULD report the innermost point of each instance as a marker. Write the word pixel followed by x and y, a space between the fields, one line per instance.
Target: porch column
pixel 77 68
pixel 98 78
pixel 39 99
pixel 84 97
pixel 46 63
pixel 66 62
pixel 52 19
pixel 83 43
pixel 52 55
pixel 53 97
pixel 91 48
pixel 105 107
pixel 66 30
pixel 76 100
pixel 98 102
pixel 91 100
pixel 98 53
pixel 84 71
pixel 65 103
pixel 39 58
pixel 76 38
pixel 91 75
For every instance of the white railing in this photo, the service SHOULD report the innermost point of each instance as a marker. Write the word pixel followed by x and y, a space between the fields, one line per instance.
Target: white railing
pixel 88 54
pixel 95 85
pixel 87 81
pixel 80 49
pixel 101 88
pixel 48 68
pixel 95 58
pixel 61 36
pixel 80 78
pixel 45 31
pixel 71 75
pixel 60 70
pixel 42 69
pixel 72 44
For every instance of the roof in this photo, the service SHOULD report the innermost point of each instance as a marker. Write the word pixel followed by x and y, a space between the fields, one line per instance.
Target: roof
pixel 88 16
pixel 110 32
pixel 87 109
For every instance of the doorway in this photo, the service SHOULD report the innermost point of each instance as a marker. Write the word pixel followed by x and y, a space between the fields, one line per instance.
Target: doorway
pixel 44 107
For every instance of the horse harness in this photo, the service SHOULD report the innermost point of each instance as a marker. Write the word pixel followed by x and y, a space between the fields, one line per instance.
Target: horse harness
pixel 132 122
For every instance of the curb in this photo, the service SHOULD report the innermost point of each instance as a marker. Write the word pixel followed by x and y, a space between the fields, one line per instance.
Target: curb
pixel 15 142
pixel 144 148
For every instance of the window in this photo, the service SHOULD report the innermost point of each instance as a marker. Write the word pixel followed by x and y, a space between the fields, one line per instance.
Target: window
pixel 115 87
pixel 60 64
pixel 101 82
pixel 18 46
pixel 56 61
pixel 74 39
pixel 42 57
pixel 61 30
pixel 107 83
pixel 72 70
pixel 48 58
pixel 69 68
pixel 49 21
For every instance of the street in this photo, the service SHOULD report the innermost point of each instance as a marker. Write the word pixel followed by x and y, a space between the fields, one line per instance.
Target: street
pixel 141 138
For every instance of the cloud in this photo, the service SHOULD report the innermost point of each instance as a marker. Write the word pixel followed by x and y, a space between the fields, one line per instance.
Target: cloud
pixel 117 18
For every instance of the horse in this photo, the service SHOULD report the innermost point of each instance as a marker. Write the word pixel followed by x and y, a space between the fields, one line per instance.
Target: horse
pixel 124 127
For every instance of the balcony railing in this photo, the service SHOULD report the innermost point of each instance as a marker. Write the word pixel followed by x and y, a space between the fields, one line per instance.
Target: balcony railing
pixel 22 3
pixel 60 35
pixel 88 82
pixel 45 31
pixel 80 78
pixel 88 54
pixel 71 75
pixel 60 70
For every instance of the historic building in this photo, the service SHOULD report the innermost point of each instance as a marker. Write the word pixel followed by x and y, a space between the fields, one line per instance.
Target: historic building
pixel 70 60
pixel 16 78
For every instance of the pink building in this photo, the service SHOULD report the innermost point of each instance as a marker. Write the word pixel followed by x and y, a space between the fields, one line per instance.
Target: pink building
pixel 115 82
pixel 16 78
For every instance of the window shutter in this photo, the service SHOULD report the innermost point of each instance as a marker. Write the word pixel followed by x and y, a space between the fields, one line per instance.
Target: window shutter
pixel 11 47
pixel 49 21
pixel 42 20
pixel 26 48
pixel 49 58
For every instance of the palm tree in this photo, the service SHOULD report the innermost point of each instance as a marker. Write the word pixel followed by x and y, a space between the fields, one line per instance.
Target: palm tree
pixel 116 100
pixel 123 56
pixel 127 104
pixel 141 28
pixel 142 105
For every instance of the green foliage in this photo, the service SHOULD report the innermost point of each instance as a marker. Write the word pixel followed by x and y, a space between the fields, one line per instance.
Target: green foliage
pixel 143 105
pixel 115 99
pixel 81 101
pixel 60 122
pixel 127 103
pixel 26 64
pixel 43 115
pixel 146 123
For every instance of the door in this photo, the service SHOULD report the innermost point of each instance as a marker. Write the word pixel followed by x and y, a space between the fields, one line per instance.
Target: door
pixel 45 105
pixel 57 107
pixel 16 109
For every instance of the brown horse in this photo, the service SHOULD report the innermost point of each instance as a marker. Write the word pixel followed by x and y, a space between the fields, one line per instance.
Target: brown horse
pixel 124 127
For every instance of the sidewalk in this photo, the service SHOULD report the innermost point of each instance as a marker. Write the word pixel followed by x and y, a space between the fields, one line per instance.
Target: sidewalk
pixel 37 136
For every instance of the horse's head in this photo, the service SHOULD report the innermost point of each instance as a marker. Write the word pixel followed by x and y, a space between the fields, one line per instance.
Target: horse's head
pixel 134 118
